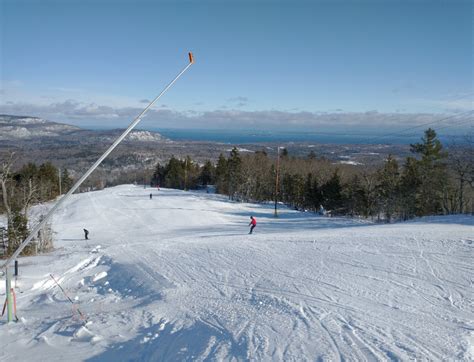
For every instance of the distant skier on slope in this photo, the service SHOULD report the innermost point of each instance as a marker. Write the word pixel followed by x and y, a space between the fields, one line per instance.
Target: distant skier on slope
pixel 322 211
pixel 253 222
pixel 86 234
pixel 151 196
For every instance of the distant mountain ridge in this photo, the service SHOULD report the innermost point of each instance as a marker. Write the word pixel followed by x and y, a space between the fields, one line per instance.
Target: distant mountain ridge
pixel 33 139
pixel 26 127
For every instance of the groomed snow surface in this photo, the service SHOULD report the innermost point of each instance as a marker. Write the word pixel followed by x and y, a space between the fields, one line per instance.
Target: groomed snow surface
pixel 177 277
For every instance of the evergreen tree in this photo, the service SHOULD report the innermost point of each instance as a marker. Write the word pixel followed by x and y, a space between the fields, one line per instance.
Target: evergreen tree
pixel 191 173
pixel 207 174
pixel 388 187
pixel 17 231
pixel 409 184
pixel 355 197
pixel 66 181
pixel 222 176
pixel 49 181
pixel 317 197
pixel 27 172
pixel 158 177
pixel 432 172
pixel 174 174
pixel 308 192
pixel 332 193
pixel 234 167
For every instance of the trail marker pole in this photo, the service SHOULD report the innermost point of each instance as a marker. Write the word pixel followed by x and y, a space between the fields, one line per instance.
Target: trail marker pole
pixel 80 181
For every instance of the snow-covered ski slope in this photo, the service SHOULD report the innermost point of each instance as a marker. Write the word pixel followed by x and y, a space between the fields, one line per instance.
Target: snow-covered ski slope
pixel 177 277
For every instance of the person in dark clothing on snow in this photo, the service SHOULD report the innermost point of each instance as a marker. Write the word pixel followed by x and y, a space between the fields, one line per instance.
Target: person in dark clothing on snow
pixel 253 222
pixel 151 195
pixel 86 234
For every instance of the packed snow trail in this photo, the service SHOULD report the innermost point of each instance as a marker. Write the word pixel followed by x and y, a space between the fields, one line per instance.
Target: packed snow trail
pixel 177 277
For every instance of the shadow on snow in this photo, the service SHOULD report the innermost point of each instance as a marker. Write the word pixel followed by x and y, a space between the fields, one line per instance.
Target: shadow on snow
pixel 165 342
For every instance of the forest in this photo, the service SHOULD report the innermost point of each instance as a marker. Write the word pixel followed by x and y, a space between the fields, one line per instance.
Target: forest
pixel 432 181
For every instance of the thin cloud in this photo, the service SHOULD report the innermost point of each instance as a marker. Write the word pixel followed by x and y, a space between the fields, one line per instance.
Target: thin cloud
pixel 239 101
pixel 81 112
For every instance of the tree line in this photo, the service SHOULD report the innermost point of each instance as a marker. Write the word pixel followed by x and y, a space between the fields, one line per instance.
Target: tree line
pixel 429 182
pixel 21 189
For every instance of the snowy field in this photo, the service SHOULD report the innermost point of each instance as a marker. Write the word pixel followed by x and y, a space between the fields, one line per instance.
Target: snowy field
pixel 177 277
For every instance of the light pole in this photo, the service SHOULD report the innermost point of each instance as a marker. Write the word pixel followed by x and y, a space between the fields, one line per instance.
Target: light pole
pixel 276 181
pixel 59 176
pixel 185 174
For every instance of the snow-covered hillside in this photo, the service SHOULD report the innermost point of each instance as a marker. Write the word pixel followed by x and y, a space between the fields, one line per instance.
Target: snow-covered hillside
pixel 16 127
pixel 177 277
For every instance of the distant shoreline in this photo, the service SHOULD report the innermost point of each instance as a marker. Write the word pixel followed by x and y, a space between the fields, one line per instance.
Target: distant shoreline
pixel 260 136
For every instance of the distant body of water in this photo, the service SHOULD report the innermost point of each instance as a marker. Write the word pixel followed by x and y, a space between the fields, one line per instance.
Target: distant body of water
pixel 242 137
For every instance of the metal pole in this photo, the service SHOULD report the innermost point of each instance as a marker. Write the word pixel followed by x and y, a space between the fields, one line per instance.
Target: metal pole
pixel 276 181
pixel 93 167
pixel 185 173
pixel 8 292
pixel 59 175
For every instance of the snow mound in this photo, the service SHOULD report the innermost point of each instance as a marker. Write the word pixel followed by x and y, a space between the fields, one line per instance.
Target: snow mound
pixel 99 276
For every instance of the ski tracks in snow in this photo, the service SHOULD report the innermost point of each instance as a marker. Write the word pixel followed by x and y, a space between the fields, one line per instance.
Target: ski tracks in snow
pixel 167 287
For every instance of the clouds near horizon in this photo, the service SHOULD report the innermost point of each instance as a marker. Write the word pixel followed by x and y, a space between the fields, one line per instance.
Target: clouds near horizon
pixel 103 116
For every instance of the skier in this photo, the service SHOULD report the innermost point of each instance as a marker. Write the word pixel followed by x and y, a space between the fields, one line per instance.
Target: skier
pixel 151 196
pixel 322 211
pixel 253 222
pixel 86 234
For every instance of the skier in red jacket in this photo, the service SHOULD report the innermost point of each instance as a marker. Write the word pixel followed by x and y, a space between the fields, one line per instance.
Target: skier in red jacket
pixel 253 222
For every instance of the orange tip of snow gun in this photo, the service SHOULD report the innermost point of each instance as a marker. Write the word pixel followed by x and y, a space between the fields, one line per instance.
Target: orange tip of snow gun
pixel 191 57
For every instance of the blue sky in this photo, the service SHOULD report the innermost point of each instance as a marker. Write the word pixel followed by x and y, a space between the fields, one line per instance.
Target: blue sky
pixel 259 64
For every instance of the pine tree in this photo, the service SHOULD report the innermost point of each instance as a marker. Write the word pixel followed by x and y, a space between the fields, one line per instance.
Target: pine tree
pixel 66 181
pixel 432 173
pixel 222 176
pixel 207 174
pixel 191 173
pixel 389 187
pixel 17 231
pixel 308 192
pixel 49 181
pixel 158 177
pixel 409 184
pixel 355 197
pixel 332 193
pixel 174 174
pixel 234 167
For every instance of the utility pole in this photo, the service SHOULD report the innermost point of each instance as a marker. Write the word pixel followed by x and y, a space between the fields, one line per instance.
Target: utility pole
pixel 59 176
pixel 38 227
pixel 185 174
pixel 276 181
